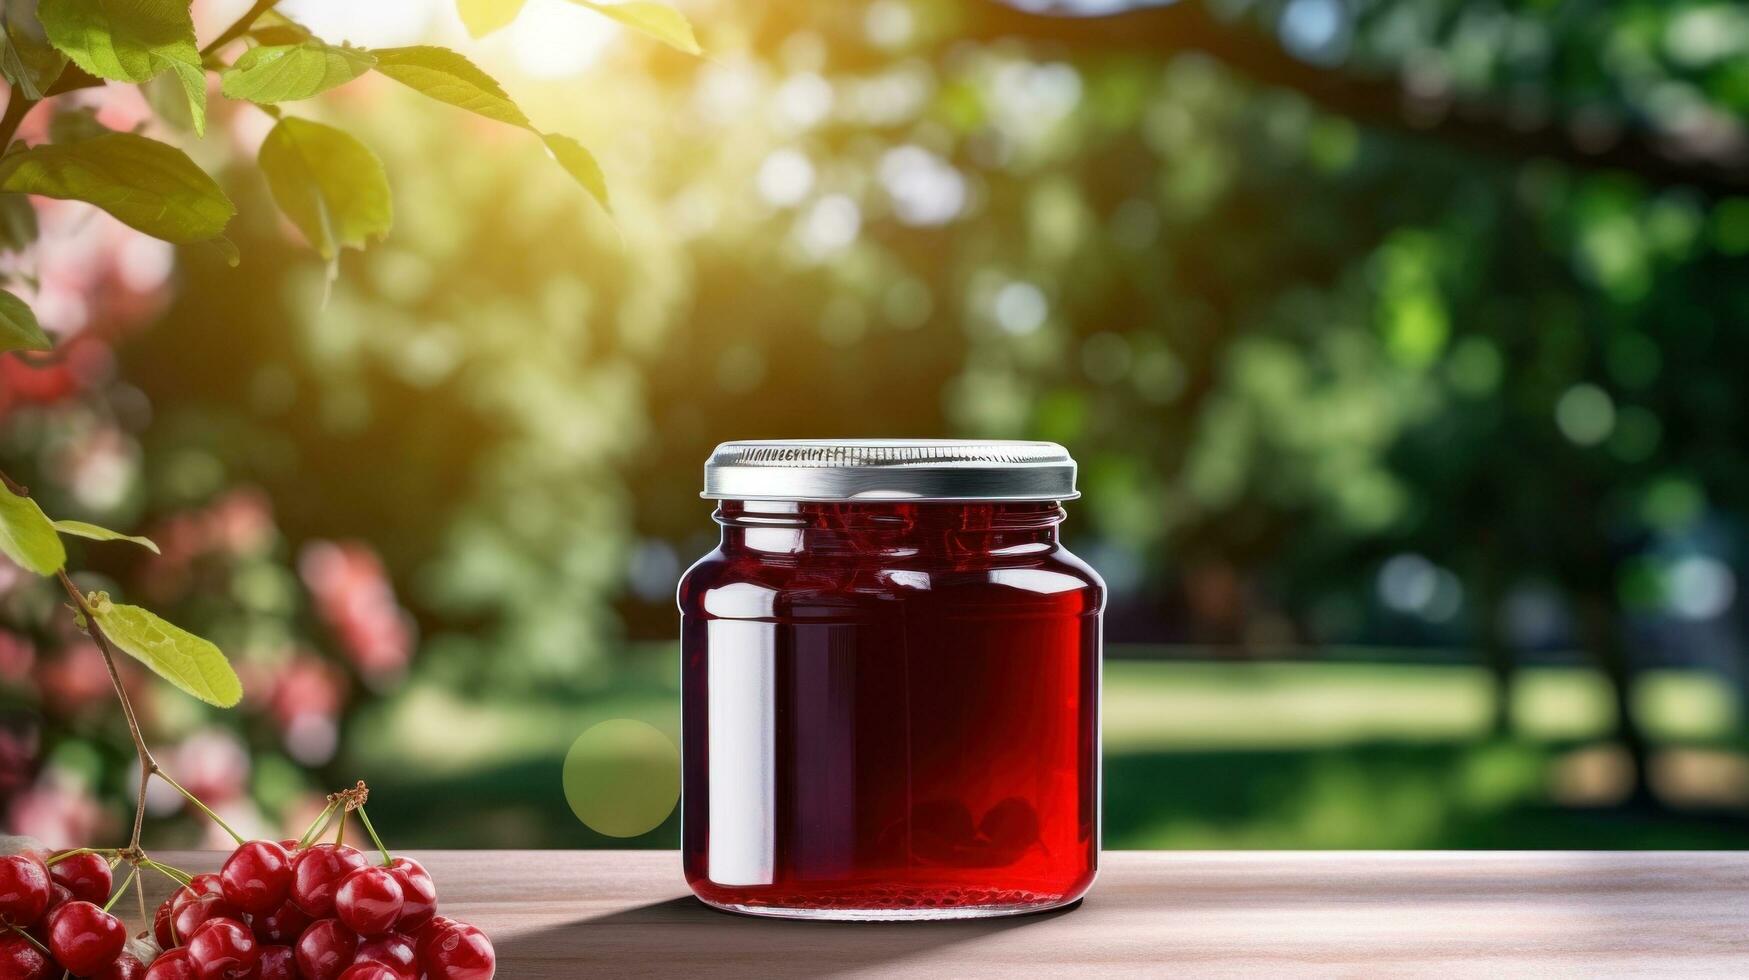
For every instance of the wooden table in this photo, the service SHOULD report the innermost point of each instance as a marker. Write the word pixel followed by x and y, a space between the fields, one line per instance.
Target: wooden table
pixel 557 914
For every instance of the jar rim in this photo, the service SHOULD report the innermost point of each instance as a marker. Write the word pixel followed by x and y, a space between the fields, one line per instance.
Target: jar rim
pixel 890 470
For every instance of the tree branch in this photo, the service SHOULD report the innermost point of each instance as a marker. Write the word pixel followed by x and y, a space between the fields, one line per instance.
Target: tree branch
pixel 1716 162
pixel 240 26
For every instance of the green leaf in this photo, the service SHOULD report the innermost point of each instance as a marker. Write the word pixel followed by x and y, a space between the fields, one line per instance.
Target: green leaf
pixel 26 534
pixel 185 660
pixel 660 21
pixel 580 164
pixel 193 81
pixel 19 330
pixel 123 40
pixel 287 72
pixel 330 185
pixel 147 184
pixel 227 250
pixel 482 17
pixel 169 100
pixel 446 76
pixel 71 125
pixel 28 60
pixel 17 222
pixel 83 529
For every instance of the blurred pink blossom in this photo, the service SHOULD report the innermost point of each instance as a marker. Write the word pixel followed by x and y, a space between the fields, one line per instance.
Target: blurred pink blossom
pixel 74 678
pixel 18 758
pixel 17 656
pixel 355 599
pixel 58 810
pixel 213 764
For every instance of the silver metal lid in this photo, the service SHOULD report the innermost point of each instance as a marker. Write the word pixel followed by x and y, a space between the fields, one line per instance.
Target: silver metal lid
pixel 889 469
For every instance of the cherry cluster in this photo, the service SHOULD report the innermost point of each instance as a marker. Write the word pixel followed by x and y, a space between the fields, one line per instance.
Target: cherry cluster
pixel 276 911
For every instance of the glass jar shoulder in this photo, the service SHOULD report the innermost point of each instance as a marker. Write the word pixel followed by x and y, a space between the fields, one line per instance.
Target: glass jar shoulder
pixel 1049 580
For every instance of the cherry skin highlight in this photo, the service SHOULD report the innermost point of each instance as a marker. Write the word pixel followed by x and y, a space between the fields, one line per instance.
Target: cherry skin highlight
pixel 325 950
pixel 316 874
pixel 432 930
pixel 257 877
pixel 126 967
pixel 282 926
pixel 194 913
pixel 369 971
pixel 223 948
pixel 86 875
pixel 19 959
pixel 161 921
pixel 369 901
pixel 24 890
pixel 394 951
pixel 418 894
pixel 277 963
pixel 459 952
pixel 173 965
pixel 84 938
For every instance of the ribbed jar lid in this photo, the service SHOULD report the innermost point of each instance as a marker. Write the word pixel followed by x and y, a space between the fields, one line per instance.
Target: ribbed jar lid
pixel 889 469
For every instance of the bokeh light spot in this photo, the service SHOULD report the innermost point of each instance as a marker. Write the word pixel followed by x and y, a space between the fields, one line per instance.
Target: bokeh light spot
pixel 622 777
pixel 1585 414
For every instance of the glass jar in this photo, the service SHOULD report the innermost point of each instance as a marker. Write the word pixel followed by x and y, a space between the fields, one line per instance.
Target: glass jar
pixel 890 683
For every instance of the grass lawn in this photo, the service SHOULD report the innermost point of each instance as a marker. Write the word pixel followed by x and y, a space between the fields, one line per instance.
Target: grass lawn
pixel 1197 754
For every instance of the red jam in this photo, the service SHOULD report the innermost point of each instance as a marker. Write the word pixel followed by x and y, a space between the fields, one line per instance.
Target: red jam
pixel 891 711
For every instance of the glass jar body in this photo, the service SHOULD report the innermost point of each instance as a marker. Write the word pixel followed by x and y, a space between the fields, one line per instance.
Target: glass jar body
pixel 891 711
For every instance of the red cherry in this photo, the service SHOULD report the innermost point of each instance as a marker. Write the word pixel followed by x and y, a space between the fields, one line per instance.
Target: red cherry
pixel 161 925
pixel 187 919
pixel 24 890
pixel 59 896
pixel 86 875
pixel 205 885
pixel 418 894
pixel 459 952
pixel 369 971
pixel 173 965
pixel 282 926
pixel 316 874
pixel 20 959
pixel 125 967
pixel 325 949
pixel 394 951
pixel 84 938
pixel 277 963
pixel 257 877
pixel 432 930
pixel 223 948
pixel 369 901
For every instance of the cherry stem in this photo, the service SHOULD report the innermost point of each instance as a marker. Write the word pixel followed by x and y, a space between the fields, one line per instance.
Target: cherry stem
pixel 32 940
pixel 123 890
pixel 388 858
pixel 177 875
pixel 320 825
pixel 202 807
pixel 240 27
pixel 148 765
pixel 140 893
pixel 340 835
pixel 75 852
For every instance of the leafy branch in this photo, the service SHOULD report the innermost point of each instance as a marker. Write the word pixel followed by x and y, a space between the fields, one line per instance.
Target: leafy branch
pixel 326 182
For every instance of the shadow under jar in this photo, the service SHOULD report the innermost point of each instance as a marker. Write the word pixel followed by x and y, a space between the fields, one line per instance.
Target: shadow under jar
pixel 890 677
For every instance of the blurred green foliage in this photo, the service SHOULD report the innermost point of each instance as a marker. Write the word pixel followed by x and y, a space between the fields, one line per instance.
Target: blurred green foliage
pixel 1456 368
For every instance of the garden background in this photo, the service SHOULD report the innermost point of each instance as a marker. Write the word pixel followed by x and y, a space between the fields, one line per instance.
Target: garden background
pixel 1401 343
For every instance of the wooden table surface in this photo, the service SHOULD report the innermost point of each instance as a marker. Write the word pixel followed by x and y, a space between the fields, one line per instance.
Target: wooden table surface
pixel 571 914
